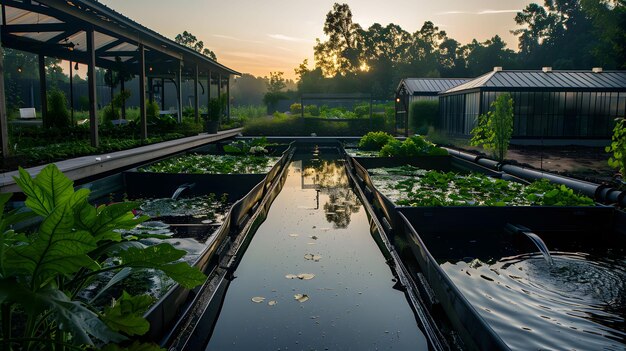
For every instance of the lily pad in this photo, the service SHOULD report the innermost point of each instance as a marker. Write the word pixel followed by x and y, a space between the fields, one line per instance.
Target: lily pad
pixel 258 299
pixel 272 303
pixel 301 297
pixel 313 237
pixel 293 235
pixel 306 276
pixel 312 257
pixel 291 276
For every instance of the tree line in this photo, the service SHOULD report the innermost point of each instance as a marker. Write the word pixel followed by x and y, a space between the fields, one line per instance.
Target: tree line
pixel 563 34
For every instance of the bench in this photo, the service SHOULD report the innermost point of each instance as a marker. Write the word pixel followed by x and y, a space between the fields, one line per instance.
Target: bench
pixel 28 113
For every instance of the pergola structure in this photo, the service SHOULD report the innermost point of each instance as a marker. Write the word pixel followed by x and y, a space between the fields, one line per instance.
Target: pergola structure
pixel 91 33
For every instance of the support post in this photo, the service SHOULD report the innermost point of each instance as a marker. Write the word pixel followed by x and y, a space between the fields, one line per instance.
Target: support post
pixel 150 87
pixel 219 95
pixel 179 95
pixel 228 98
pixel 208 89
pixel 91 83
pixel 196 98
pixel 163 94
pixel 4 131
pixel 124 101
pixel 72 92
pixel 142 93
pixel 43 95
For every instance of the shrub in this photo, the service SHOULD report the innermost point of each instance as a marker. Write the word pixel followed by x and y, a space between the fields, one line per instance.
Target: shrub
pixel 295 108
pixel 374 141
pixel 246 112
pixel 312 110
pixel 214 110
pixel 494 130
pixel 152 109
pixel 411 147
pixel 618 147
pixel 292 125
pixel 58 114
pixel 423 114
pixel 362 110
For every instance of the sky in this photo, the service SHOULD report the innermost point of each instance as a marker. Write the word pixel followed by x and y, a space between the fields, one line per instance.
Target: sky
pixel 262 36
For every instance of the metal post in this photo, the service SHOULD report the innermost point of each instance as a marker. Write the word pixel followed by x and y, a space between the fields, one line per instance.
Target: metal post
pixel 219 95
pixel 124 101
pixel 228 98
pixel 4 133
pixel 179 97
pixel 91 83
pixel 72 92
pixel 196 98
pixel 142 93
pixel 150 87
pixel 208 89
pixel 163 94
pixel 42 90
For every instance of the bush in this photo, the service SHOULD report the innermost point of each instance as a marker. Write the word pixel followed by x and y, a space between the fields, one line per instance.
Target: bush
pixel 362 110
pixel 311 110
pixel 423 114
pixel 152 109
pixel 494 129
pixel 247 112
pixel 374 141
pixel 411 147
pixel 214 110
pixel 295 108
pixel 293 125
pixel 58 114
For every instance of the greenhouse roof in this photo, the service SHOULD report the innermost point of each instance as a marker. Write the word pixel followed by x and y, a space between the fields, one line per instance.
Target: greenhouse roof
pixel 429 86
pixel 592 80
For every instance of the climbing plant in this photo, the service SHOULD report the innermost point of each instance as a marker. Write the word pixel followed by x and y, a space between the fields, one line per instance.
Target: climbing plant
pixel 618 147
pixel 495 128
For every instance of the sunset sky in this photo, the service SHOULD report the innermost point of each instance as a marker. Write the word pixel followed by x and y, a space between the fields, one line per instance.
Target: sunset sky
pixel 259 36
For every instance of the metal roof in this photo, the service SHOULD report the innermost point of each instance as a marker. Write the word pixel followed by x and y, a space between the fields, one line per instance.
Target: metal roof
pixel 540 80
pixel 50 27
pixel 430 86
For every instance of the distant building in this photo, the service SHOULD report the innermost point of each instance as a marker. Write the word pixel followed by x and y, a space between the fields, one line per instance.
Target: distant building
pixel 416 89
pixel 547 103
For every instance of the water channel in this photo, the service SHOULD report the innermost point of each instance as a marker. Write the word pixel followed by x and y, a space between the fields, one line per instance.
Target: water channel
pixel 313 277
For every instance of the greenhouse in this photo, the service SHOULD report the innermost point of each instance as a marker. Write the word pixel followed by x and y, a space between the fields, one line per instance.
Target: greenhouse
pixel 547 103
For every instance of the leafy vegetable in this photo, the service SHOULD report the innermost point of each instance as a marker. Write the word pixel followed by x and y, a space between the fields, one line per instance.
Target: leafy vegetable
pixel 411 147
pixel 374 141
pixel 213 164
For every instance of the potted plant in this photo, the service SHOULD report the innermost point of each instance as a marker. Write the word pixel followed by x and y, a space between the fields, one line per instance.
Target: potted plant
pixel 212 118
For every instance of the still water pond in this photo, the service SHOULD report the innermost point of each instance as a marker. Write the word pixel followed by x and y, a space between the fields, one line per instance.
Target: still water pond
pixel 313 278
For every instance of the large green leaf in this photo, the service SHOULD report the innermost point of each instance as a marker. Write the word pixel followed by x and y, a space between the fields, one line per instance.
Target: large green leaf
pixel 56 249
pixel 163 257
pixel 105 221
pixel 57 187
pixel 36 198
pixel 70 316
pixel 126 314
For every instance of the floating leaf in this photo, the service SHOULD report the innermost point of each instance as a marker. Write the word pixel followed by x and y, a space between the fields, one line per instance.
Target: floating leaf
pixel 301 297
pixel 293 235
pixel 272 303
pixel 291 276
pixel 312 257
pixel 258 299
pixel 306 276
pixel 313 237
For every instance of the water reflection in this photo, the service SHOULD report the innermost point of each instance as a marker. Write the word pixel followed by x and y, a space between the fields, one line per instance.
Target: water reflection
pixel 329 177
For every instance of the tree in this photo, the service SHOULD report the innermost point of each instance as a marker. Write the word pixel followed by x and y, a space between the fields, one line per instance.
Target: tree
pixel 339 54
pixel 494 129
pixel 276 82
pixel 189 40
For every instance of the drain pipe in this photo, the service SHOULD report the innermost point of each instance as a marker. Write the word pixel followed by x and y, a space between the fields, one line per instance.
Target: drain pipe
pixel 601 193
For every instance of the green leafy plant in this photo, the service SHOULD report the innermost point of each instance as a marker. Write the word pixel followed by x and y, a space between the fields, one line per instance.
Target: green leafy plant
pixel 58 113
pixel 255 146
pixel 295 108
pixel 375 140
pixel 494 130
pixel 42 273
pixel 411 186
pixel 411 147
pixel 618 147
pixel 213 164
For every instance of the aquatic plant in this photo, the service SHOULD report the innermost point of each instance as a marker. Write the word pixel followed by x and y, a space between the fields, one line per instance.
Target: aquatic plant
pixel 374 141
pixel 411 147
pixel 43 272
pixel 213 164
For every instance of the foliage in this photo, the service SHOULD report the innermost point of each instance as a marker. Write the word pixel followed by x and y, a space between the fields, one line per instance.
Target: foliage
pixel 276 82
pixel 255 146
pixel 247 112
pixel 152 110
pixel 58 113
pixel 214 110
pixel 270 99
pixel 375 140
pixel 410 186
pixel 213 164
pixel 618 147
pixel 295 108
pixel 411 147
pixel 295 125
pixel 362 110
pixel 423 114
pixel 189 40
pixel 42 273
pixel 494 130
pixel 311 110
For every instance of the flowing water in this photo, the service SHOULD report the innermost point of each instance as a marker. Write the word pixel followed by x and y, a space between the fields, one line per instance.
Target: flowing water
pixel 313 278
pixel 577 303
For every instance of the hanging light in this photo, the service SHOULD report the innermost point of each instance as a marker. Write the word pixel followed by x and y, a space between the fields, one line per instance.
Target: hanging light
pixel 76 66
pixel 398 100
pixel 19 69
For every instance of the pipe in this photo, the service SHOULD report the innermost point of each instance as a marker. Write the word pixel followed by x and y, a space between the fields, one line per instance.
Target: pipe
pixel 599 192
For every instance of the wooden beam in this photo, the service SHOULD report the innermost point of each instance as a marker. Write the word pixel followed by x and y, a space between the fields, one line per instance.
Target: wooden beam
pixel 196 98
pixel 4 133
pixel 91 84
pixel 43 95
pixel 36 28
pixel 142 92
pixel 219 95
pixel 179 92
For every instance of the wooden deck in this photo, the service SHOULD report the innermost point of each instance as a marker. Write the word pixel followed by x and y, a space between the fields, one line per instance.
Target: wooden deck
pixel 94 165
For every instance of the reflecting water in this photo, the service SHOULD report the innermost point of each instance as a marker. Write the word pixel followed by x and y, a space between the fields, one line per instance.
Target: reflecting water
pixel 578 303
pixel 313 278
